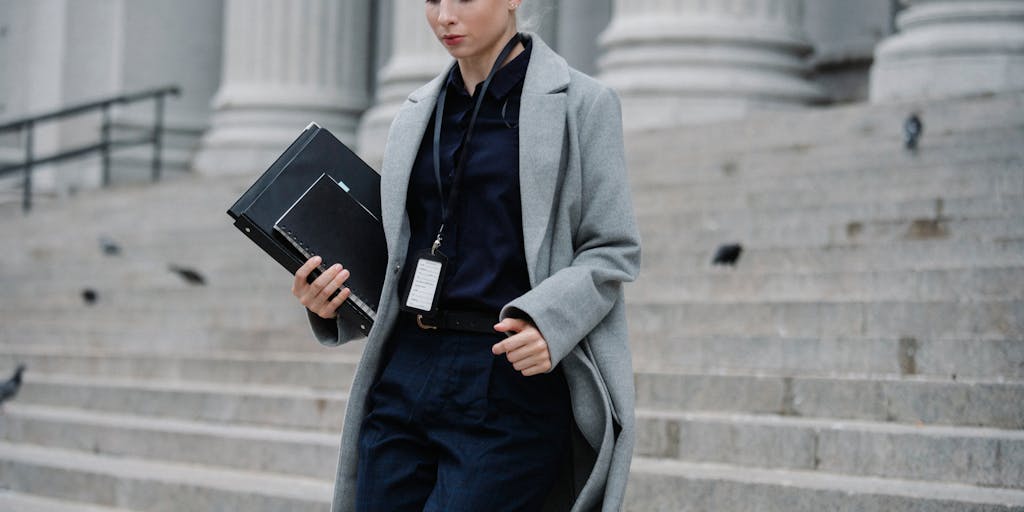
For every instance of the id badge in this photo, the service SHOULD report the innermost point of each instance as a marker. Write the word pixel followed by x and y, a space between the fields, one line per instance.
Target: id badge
pixel 424 288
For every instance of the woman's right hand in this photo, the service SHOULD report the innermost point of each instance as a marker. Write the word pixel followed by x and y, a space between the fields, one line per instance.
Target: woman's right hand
pixel 315 295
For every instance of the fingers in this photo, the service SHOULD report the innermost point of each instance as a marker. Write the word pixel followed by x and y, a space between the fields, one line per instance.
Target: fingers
pixel 334 285
pixel 511 325
pixel 318 285
pixel 532 361
pixel 509 344
pixel 538 369
pixel 527 350
pixel 301 275
pixel 316 296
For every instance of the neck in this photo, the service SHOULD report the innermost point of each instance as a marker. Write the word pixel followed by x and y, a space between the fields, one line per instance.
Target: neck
pixel 475 69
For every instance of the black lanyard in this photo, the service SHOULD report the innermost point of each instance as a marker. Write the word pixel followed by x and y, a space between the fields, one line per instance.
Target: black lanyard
pixel 446 209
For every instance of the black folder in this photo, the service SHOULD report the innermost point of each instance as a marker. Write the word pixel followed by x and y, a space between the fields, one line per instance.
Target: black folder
pixel 317 154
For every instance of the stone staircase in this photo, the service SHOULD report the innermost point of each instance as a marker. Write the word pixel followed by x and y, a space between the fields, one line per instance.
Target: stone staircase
pixel 161 395
pixel 867 352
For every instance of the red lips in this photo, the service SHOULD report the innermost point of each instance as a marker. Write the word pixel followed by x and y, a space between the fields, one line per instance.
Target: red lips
pixel 452 40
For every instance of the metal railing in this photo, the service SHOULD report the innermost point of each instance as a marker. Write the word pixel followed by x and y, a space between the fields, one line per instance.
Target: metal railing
pixel 27 126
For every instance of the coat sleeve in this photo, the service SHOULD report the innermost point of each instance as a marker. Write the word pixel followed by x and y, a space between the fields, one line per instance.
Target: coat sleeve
pixel 332 332
pixel 566 306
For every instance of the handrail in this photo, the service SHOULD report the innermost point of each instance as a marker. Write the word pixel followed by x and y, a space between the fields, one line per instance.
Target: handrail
pixel 27 126
pixel 173 90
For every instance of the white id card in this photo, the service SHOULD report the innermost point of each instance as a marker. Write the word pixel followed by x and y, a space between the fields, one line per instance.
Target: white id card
pixel 424 286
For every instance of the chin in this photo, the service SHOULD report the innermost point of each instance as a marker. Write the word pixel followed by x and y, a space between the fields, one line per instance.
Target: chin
pixel 458 53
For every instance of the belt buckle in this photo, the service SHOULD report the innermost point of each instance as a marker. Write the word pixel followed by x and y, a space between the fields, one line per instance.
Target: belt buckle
pixel 425 327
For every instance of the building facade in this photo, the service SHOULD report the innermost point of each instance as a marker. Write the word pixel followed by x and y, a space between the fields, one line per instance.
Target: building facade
pixel 255 72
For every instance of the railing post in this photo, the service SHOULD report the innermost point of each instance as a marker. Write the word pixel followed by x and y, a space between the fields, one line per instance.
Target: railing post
pixel 158 132
pixel 26 203
pixel 105 141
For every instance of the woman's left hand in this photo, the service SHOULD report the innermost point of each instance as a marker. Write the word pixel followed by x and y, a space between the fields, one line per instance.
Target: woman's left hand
pixel 527 350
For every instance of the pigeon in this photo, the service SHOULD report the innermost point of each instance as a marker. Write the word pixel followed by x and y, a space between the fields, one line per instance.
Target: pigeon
pixel 727 254
pixel 11 386
pixel 913 128
pixel 191 276
pixel 89 296
pixel 109 246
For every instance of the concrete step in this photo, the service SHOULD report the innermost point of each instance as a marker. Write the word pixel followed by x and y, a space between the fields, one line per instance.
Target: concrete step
pixel 169 318
pixel 151 268
pixel 55 294
pixel 221 269
pixel 820 235
pixel 134 241
pixel 298 453
pixel 189 196
pixel 674 258
pixel 800 159
pixel 18 502
pixel 184 200
pixel 941 320
pixel 984 206
pixel 963 284
pixel 836 125
pixel 850 168
pixel 294 337
pixel 664 485
pixel 242 404
pixel 954 358
pixel 785 272
pixel 325 368
pixel 898 399
pixel 968 181
pixel 973 456
pixel 145 485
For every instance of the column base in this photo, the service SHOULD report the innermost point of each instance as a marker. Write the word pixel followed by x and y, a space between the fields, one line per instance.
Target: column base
pixel 687 70
pixel 247 141
pixel 701 93
pixel 949 49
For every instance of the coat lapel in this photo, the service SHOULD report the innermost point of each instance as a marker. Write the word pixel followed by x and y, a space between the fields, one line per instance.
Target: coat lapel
pixel 542 119
pixel 404 139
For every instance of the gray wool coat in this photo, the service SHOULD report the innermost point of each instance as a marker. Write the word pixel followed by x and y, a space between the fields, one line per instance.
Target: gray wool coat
pixel 581 244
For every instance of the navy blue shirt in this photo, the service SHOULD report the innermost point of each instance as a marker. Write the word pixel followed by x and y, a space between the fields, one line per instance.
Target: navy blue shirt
pixel 484 236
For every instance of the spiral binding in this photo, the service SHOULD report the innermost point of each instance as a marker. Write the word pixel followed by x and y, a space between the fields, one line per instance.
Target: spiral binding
pixel 308 253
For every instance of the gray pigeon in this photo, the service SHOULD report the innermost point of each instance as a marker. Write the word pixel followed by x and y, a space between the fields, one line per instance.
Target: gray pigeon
pixel 189 275
pixel 109 246
pixel 11 386
pixel 913 128
pixel 727 254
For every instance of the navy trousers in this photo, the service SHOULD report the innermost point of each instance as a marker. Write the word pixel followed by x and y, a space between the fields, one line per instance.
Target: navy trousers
pixel 454 428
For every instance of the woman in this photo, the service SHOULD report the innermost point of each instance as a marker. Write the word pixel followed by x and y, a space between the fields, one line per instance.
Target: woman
pixel 505 199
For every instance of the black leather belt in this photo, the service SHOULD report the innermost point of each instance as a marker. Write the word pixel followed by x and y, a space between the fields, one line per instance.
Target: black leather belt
pixel 456 320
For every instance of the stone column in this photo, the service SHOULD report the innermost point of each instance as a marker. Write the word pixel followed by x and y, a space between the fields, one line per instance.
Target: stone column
pixel 691 61
pixel 542 17
pixel 844 35
pixel 416 57
pixel 949 48
pixel 579 25
pixel 286 63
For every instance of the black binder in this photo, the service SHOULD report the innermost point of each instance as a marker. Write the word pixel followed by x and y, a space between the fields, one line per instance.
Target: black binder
pixel 314 154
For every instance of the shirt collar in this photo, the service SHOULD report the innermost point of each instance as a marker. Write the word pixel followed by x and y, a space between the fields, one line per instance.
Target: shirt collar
pixel 504 80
